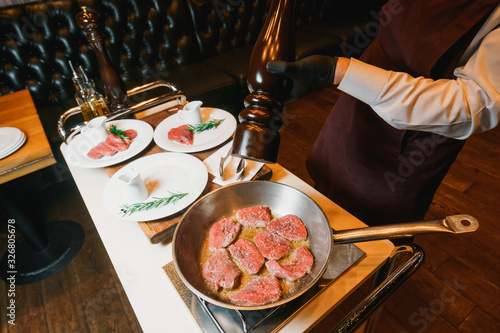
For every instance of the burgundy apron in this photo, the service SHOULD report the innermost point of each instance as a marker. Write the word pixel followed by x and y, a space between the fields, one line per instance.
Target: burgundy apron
pixel 376 172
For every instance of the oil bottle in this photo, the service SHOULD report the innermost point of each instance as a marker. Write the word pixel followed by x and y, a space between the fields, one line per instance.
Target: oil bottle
pixel 81 95
pixel 96 101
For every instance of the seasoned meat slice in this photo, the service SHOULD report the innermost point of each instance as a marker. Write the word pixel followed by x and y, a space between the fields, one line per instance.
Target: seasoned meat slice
pixel 254 217
pixel 288 226
pixel 261 290
pixel 220 271
pixel 112 145
pixel 301 263
pixel 248 255
pixel 117 143
pixel 271 245
pixel 102 149
pixel 222 233
pixel 131 133
pixel 182 135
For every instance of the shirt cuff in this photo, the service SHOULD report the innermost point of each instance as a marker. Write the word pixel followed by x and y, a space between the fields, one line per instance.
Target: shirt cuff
pixel 363 81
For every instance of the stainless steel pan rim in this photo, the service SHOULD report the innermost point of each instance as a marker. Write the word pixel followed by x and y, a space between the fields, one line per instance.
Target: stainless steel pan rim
pixel 282 199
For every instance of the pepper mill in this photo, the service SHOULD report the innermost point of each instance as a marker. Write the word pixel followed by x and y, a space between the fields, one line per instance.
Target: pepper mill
pixel 114 88
pixel 257 136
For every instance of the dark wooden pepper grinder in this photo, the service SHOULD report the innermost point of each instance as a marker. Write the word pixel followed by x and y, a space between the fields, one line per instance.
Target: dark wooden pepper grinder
pixel 114 88
pixel 257 136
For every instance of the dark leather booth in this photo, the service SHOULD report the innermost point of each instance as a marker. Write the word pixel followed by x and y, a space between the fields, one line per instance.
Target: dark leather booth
pixel 201 46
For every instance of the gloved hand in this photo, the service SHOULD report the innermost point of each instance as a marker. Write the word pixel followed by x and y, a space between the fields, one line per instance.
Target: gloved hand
pixel 308 74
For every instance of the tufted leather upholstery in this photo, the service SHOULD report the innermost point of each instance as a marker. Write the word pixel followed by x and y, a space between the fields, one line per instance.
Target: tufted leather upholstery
pixel 142 36
pixel 173 40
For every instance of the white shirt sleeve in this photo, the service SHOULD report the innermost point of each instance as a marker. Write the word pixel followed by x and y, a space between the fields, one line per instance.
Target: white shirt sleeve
pixel 455 108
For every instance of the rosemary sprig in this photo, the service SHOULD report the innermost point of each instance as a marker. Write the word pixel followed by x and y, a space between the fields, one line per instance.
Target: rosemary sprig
pixel 211 124
pixel 158 202
pixel 119 133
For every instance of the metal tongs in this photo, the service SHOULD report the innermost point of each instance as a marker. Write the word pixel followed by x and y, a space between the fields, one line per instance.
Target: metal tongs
pixel 240 169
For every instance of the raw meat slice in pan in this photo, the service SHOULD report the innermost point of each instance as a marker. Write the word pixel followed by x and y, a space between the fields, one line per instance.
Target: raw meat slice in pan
pixel 288 226
pixel 271 245
pixel 222 233
pixel 301 263
pixel 248 255
pixel 261 290
pixel 220 271
pixel 254 217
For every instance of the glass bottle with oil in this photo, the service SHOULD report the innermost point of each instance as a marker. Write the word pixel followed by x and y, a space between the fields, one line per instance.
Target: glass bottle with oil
pixel 81 95
pixel 96 101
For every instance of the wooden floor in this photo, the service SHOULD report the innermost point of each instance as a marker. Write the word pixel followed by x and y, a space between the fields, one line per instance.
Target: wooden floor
pixel 456 290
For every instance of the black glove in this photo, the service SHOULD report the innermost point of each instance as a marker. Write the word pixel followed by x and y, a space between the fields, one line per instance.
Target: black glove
pixel 308 74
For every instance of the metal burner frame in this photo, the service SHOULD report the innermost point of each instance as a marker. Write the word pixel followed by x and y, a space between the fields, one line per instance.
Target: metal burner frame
pixel 211 318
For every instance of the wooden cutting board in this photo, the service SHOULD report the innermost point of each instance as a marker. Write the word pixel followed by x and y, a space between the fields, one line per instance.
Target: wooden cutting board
pixel 162 229
pixel 18 110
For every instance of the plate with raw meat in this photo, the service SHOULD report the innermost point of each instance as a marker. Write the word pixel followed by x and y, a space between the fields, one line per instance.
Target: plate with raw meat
pixel 173 181
pixel 133 136
pixel 173 134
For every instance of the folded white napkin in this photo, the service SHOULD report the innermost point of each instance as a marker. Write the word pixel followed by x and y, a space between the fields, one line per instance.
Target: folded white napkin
pixel 229 176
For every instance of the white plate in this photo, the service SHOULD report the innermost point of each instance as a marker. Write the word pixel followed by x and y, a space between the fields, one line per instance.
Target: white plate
pixel 163 174
pixel 11 139
pixel 14 149
pixel 12 146
pixel 78 148
pixel 201 141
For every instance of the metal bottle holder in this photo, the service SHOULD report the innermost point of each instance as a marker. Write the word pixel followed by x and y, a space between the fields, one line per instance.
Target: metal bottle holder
pixel 169 99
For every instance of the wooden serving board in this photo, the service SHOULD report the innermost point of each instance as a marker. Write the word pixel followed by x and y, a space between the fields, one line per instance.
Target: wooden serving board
pixel 162 229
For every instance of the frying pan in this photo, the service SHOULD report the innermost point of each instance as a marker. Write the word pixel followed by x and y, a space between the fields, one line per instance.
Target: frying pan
pixel 192 231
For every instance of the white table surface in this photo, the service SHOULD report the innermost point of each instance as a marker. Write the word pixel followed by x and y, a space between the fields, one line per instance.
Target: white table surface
pixel 138 263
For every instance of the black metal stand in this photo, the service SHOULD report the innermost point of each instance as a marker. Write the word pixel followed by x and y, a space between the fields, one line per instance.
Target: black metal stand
pixel 42 251
pixel 390 280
